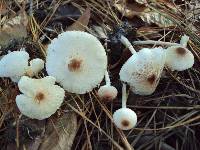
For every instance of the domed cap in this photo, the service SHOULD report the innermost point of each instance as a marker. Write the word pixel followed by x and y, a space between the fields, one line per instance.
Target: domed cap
pixel 142 70
pixel 125 118
pixel 107 92
pixel 14 64
pixel 77 60
pixel 40 98
pixel 179 58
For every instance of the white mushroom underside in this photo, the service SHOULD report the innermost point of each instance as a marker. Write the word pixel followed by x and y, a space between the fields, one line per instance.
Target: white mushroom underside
pixel 142 71
pixel 82 46
pixel 30 106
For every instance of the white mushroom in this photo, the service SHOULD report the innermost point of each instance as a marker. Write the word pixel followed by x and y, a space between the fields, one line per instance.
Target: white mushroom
pixel 179 58
pixel 36 65
pixel 124 118
pixel 15 65
pixel 142 71
pixel 40 98
pixel 77 60
pixel 107 92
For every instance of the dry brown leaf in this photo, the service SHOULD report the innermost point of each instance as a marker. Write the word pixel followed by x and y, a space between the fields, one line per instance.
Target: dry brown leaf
pixel 156 18
pixel 3 7
pixel 130 10
pixel 14 28
pixel 60 134
pixel 81 23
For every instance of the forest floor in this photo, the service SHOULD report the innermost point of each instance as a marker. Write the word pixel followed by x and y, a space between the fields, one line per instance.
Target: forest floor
pixel 169 119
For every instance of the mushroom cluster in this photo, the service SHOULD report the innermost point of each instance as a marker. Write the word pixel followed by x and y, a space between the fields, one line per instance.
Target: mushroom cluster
pixel 15 65
pixel 78 62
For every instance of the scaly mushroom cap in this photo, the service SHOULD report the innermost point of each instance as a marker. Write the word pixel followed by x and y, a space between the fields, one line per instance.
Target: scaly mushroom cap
pixel 125 118
pixel 179 58
pixel 107 92
pixel 142 71
pixel 14 64
pixel 40 98
pixel 77 60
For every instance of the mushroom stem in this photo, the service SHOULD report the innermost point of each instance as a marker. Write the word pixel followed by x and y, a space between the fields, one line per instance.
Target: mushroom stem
pixel 107 78
pixel 127 43
pixel 154 42
pixel 124 97
pixel 184 40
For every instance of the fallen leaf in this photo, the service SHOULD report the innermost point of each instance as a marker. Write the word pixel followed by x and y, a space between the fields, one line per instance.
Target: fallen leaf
pixel 156 18
pixel 3 7
pixel 130 10
pixel 81 23
pixel 14 28
pixel 60 134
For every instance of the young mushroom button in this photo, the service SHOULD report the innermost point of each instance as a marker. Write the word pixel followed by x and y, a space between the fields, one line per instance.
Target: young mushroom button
pixel 107 92
pixel 77 60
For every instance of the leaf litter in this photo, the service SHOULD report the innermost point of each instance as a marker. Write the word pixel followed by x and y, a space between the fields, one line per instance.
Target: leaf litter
pixel 168 119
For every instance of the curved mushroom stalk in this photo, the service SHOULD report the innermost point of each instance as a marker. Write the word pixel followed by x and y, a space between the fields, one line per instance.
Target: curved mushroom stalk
pixel 124 118
pixel 183 42
pixel 142 71
pixel 127 44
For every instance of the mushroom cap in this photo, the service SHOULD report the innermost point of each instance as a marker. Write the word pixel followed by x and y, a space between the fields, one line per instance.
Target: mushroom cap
pixel 107 92
pixel 77 60
pixel 142 70
pixel 125 118
pixel 36 65
pixel 14 64
pixel 179 58
pixel 40 98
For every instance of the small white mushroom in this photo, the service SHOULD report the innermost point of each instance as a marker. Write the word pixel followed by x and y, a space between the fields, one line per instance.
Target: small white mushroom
pixel 179 58
pixel 107 92
pixel 15 65
pixel 142 71
pixel 36 65
pixel 77 60
pixel 124 118
pixel 40 98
